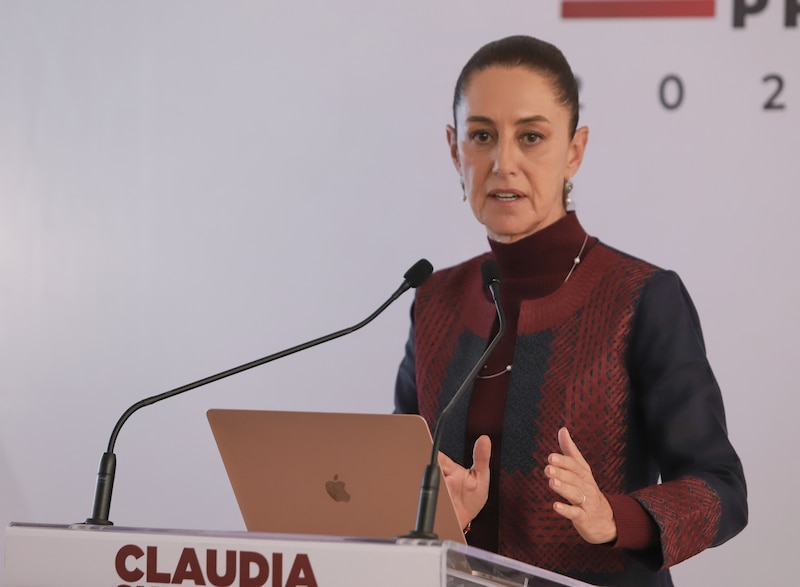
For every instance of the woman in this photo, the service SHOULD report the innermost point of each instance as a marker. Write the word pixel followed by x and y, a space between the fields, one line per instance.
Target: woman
pixel 593 442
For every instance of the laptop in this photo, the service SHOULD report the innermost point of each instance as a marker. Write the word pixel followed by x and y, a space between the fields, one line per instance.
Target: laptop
pixel 329 473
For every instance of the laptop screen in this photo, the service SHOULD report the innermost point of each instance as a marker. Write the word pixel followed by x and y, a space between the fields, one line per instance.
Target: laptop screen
pixel 329 473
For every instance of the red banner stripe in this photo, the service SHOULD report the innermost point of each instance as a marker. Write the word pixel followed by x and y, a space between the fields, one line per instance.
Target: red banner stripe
pixel 637 8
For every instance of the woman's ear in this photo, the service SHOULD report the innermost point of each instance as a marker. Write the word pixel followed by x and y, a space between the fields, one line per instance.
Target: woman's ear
pixel 452 142
pixel 577 147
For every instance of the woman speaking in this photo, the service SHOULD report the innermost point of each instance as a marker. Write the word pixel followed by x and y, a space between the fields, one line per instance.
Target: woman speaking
pixel 593 442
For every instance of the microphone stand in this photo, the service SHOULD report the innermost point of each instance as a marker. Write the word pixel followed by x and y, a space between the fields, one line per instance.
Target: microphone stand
pixel 429 490
pixel 414 277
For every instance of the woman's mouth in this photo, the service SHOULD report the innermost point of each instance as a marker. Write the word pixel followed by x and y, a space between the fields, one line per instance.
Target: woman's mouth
pixel 505 196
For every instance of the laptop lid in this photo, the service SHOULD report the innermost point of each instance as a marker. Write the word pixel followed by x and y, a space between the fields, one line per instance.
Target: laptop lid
pixel 329 473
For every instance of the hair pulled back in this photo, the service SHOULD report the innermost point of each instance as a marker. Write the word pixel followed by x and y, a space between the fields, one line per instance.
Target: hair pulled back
pixel 529 52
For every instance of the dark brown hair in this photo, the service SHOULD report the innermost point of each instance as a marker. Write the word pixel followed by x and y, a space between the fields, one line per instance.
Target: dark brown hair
pixel 531 53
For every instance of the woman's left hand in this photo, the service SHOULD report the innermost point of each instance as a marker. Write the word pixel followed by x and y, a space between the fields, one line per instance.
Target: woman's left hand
pixel 469 488
pixel 570 476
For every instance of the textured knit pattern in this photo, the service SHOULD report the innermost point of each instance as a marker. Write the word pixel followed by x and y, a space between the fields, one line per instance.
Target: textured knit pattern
pixel 695 501
pixel 445 329
pixel 572 368
pixel 586 389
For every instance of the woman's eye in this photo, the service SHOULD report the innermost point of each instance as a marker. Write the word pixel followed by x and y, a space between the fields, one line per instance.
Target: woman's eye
pixel 481 136
pixel 531 137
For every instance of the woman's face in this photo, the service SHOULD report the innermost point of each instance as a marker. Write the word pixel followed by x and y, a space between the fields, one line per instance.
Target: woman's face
pixel 513 151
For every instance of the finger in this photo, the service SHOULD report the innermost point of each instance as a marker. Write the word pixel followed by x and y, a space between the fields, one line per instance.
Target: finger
pixel 566 468
pixel 571 512
pixel 563 475
pixel 481 455
pixel 571 493
pixel 569 448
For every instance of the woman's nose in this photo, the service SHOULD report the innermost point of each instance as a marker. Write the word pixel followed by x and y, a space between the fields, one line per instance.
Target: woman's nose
pixel 505 159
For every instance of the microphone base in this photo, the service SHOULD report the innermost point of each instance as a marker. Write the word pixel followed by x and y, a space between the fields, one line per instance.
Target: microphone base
pixel 97 522
pixel 419 535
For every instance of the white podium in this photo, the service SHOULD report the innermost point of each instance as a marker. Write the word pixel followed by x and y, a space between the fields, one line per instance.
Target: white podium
pixel 39 555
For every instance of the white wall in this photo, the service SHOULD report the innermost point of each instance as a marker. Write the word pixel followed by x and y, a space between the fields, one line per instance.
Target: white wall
pixel 189 185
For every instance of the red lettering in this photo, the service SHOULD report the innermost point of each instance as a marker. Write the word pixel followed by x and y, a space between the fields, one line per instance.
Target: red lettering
pixel 253 569
pixel 188 568
pixel 301 573
pixel 246 562
pixel 277 569
pixel 153 576
pixel 212 570
pixel 126 574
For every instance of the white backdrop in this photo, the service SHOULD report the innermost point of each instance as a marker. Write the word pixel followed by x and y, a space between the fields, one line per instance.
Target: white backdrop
pixel 186 186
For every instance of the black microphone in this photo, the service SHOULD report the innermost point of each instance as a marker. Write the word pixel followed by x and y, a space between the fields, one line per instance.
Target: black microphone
pixel 429 490
pixel 414 277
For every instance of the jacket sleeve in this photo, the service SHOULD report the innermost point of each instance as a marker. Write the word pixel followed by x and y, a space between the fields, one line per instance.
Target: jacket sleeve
pixel 702 498
pixel 405 388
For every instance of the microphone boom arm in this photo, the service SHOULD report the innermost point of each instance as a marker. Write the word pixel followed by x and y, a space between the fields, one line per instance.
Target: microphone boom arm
pixel 106 472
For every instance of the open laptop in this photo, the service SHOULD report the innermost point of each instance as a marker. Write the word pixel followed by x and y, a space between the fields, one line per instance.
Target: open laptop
pixel 329 473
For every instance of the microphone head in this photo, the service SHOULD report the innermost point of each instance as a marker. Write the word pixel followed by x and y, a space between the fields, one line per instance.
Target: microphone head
pixel 490 272
pixel 419 272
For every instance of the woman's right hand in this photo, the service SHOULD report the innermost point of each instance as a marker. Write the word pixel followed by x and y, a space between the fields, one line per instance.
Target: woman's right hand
pixel 469 488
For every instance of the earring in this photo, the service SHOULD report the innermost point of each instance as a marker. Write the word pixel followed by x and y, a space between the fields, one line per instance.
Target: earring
pixel 463 192
pixel 567 189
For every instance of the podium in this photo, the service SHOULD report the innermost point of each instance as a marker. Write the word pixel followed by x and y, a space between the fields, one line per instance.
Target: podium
pixel 38 555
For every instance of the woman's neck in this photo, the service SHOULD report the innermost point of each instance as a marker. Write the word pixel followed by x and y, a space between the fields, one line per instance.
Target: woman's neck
pixel 539 264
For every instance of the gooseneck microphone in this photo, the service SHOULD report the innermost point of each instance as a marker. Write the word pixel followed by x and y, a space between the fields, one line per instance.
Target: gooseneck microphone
pixel 413 278
pixel 429 490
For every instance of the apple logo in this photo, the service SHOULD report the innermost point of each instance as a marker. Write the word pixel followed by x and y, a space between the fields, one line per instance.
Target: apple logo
pixel 336 490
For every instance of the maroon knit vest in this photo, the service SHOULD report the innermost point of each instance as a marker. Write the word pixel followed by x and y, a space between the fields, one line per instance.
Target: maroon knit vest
pixel 569 370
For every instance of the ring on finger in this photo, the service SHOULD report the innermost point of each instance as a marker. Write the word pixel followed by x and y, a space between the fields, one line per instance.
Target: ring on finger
pixel 583 501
